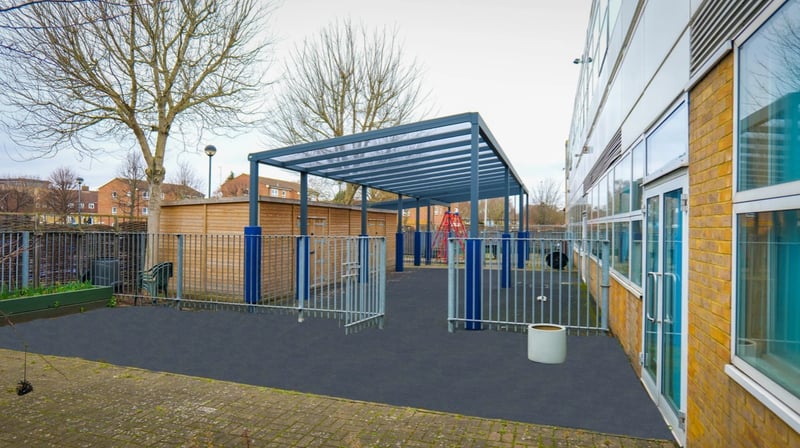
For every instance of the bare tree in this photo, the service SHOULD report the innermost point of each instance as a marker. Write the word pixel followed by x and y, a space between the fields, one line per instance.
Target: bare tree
pixel 132 172
pixel 62 194
pixel 546 200
pixel 74 75
pixel 186 181
pixel 346 80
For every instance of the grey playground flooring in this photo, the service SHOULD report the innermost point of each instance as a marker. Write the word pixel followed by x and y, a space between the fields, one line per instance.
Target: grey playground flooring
pixel 413 361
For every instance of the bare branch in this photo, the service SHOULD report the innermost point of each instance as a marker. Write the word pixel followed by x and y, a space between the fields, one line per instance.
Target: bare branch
pixel 346 80
pixel 78 73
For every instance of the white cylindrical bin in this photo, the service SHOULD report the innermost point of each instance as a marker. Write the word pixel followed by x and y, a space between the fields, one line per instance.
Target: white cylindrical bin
pixel 547 343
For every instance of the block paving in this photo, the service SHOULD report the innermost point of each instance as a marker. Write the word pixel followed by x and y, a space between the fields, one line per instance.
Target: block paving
pixel 79 403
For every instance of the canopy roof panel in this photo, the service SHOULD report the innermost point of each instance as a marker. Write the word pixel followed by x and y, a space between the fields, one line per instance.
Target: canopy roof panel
pixel 430 160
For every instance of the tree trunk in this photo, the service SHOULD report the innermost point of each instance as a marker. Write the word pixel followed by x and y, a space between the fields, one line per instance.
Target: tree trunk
pixel 155 177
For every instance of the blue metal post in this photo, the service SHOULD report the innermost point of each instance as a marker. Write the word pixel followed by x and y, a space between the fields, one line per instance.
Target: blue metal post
pixel 474 288
pixel 398 248
pixel 522 235
pixel 252 243
pixel 417 240
pixel 302 259
pixel 428 239
pixel 252 264
pixel 474 246
pixel 363 242
pixel 253 194
pixel 505 272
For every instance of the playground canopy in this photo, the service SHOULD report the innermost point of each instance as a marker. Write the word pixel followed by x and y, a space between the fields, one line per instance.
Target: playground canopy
pixel 443 160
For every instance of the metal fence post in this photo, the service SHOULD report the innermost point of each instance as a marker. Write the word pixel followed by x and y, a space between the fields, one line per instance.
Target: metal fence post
pixel 604 285
pixel 451 286
pixel 26 259
pixel 382 281
pixel 179 278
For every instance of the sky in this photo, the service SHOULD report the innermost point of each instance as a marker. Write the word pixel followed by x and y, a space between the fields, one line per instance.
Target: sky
pixel 509 60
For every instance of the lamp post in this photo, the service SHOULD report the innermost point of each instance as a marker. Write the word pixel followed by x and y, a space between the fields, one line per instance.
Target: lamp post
pixel 79 180
pixel 210 151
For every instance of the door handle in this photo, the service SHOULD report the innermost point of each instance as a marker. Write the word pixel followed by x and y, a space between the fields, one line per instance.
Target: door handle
pixel 651 297
pixel 669 298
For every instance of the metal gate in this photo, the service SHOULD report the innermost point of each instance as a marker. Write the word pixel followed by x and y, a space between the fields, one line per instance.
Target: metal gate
pixel 525 281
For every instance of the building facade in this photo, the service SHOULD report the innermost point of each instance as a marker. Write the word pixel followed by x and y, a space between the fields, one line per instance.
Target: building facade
pixel 130 198
pixel 239 186
pixel 683 153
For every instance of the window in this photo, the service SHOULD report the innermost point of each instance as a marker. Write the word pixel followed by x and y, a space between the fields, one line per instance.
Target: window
pixel 283 193
pixel 767 220
pixel 128 194
pixel 768 334
pixel 636 252
pixel 113 195
pixel 602 197
pixel 113 210
pixel 669 141
pixel 80 205
pixel 144 210
pixel 621 249
pixel 637 189
pixel 91 206
pixel 145 194
pixel 769 97
pixel 273 192
pixel 622 186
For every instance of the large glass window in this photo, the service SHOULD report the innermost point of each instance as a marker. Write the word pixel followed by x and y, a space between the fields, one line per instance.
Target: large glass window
pixel 636 252
pixel 621 248
pixel 767 297
pixel 669 141
pixel 637 166
pixel 622 185
pixel 769 102
pixel 602 197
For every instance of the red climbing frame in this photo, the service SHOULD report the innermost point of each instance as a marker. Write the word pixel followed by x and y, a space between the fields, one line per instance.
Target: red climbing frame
pixel 451 225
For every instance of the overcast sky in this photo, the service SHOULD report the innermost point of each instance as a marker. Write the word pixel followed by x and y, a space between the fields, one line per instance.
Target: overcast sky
pixel 509 60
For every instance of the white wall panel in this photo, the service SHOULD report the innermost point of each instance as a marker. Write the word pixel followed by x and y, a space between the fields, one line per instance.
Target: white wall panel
pixel 665 88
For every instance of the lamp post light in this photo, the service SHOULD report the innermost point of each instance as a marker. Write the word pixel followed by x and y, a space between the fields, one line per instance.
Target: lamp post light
pixel 79 180
pixel 210 151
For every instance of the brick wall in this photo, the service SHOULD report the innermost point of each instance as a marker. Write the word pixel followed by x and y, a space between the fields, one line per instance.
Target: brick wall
pixel 625 321
pixel 719 412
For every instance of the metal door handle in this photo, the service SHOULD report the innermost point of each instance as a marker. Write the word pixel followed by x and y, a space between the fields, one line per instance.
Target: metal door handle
pixel 671 297
pixel 651 298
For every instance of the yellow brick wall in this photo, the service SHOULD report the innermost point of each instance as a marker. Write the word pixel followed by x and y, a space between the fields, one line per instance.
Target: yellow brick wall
pixel 719 412
pixel 625 321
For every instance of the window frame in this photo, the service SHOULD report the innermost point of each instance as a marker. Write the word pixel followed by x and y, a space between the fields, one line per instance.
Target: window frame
pixel 772 198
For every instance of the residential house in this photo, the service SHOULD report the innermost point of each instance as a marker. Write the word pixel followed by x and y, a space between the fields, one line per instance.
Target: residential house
pixel 683 152
pixel 21 194
pixel 125 197
pixel 85 205
pixel 275 188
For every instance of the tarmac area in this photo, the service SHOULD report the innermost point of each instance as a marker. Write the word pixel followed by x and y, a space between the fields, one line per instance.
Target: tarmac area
pixel 158 376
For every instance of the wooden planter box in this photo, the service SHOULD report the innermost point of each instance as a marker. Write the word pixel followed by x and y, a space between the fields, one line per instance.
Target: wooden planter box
pixel 57 300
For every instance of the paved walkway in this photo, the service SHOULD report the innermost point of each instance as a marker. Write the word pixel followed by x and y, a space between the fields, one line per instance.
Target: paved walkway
pixel 77 403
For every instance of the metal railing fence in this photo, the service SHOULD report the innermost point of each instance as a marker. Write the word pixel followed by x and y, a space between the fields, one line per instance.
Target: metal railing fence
pixel 534 280
pixel 346 274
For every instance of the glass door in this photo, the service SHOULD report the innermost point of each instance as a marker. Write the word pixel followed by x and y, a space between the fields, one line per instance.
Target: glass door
pixel 664 307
